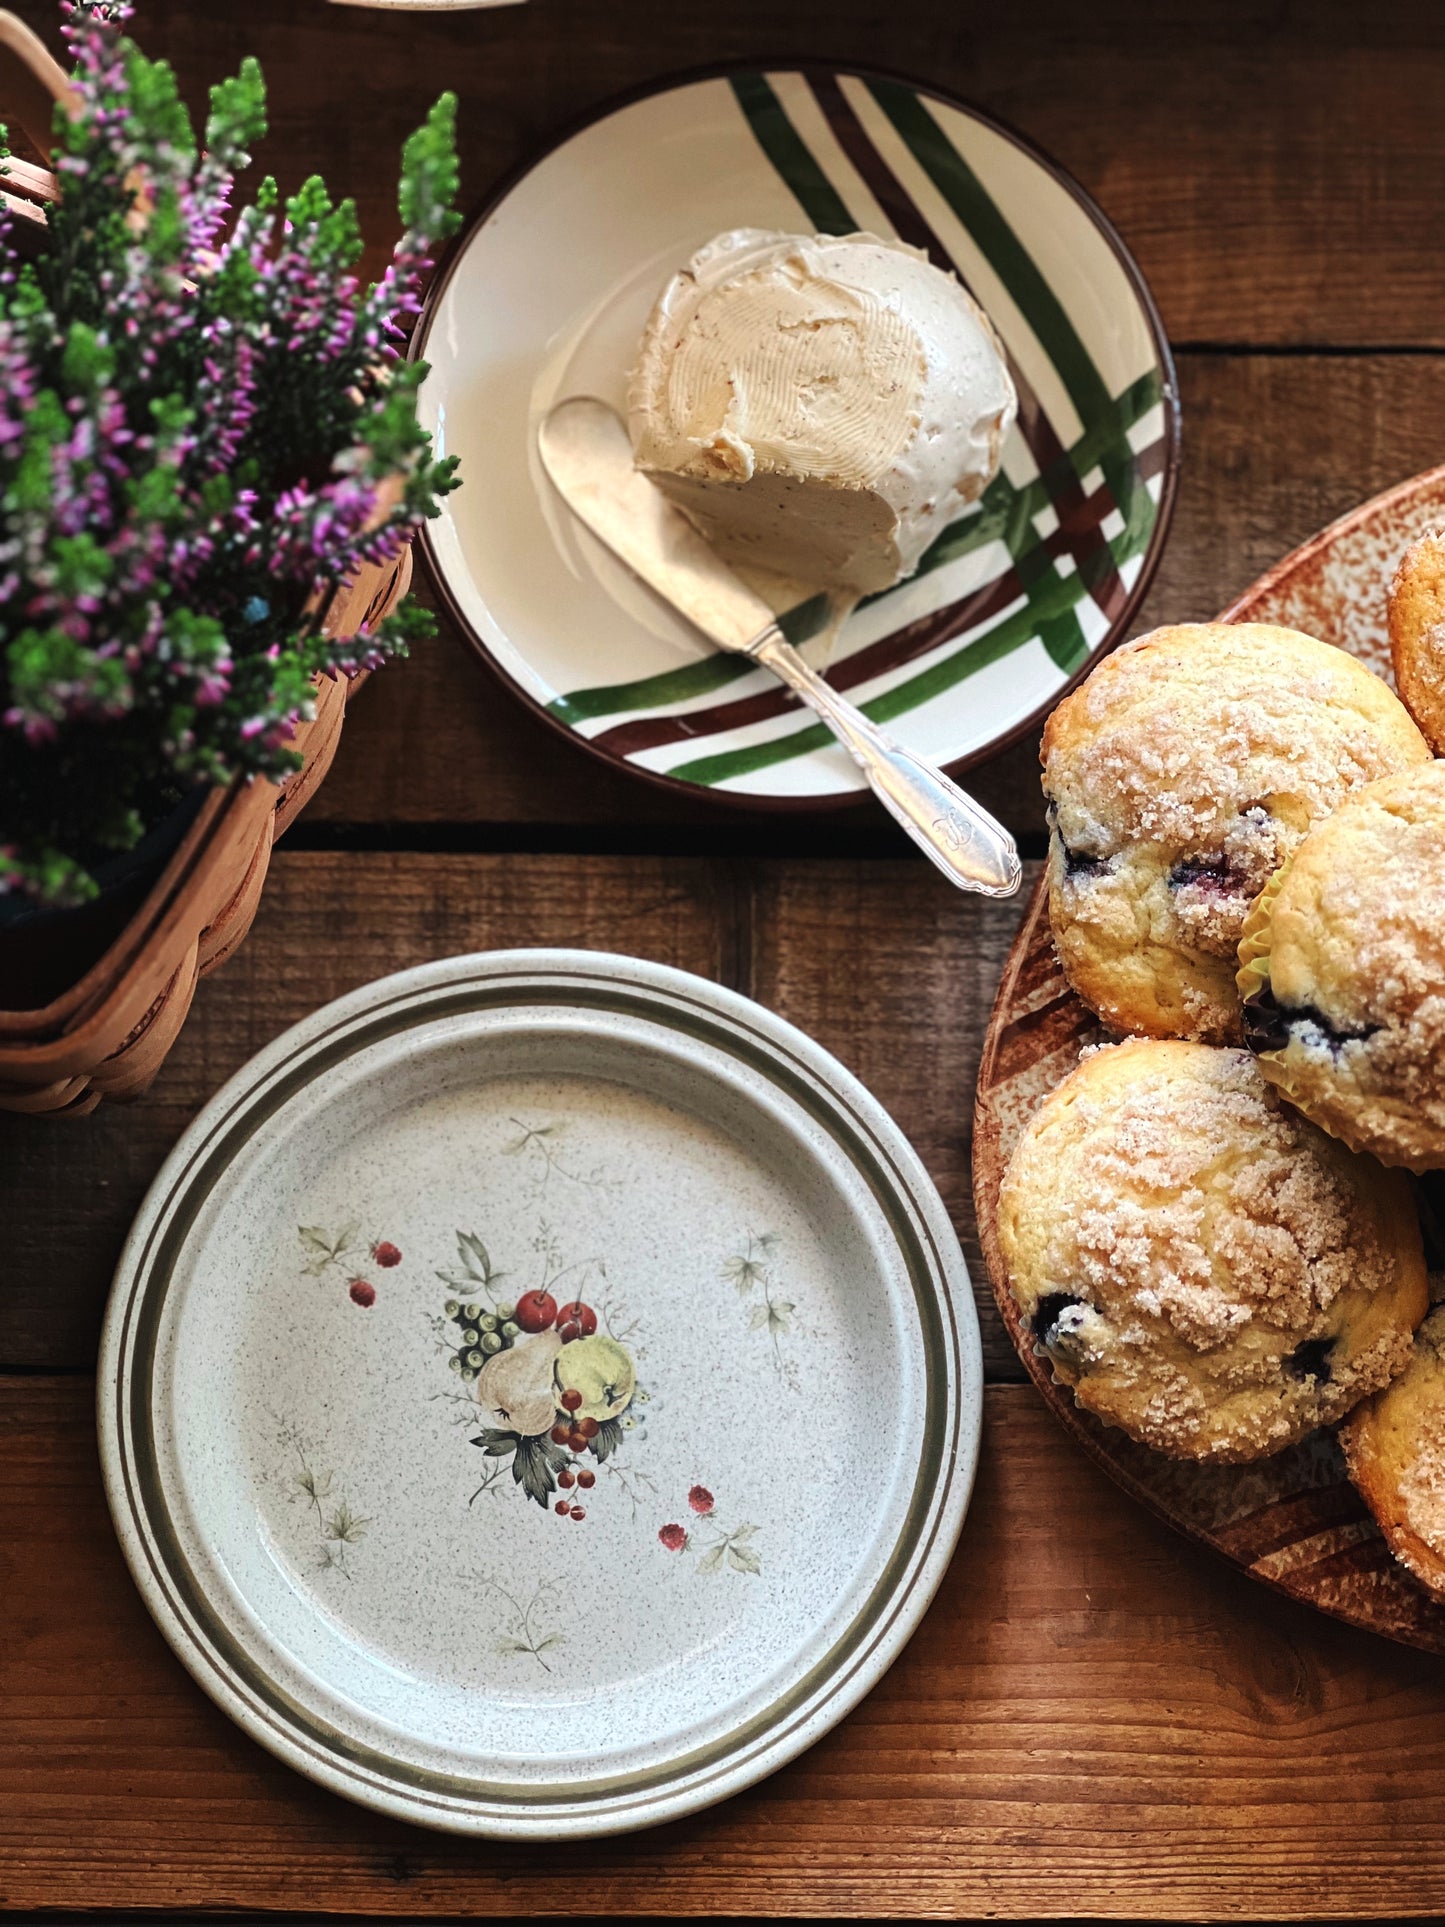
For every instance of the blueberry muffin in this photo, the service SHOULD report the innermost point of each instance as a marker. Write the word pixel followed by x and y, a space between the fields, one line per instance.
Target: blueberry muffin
pixel 1417 633
pixel 1342 971
pixel 1179 777
pixel 1395 1450
pixel 1203 1266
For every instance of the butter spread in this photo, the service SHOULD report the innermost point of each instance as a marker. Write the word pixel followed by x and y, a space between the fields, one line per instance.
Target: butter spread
pixel 822 407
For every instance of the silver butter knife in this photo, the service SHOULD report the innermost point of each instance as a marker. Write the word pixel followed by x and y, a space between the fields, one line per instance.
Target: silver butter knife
pixel 585 449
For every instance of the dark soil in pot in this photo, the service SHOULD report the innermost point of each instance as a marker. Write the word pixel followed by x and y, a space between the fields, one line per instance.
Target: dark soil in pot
pixel 44 951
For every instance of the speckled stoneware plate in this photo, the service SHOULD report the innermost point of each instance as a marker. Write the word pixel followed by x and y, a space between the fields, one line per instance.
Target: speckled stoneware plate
pixel 1294 1521
pixel 546 295
pixel 540 1394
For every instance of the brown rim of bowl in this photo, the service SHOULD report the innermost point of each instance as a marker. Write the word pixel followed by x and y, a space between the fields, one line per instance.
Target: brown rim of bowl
pixel 721 70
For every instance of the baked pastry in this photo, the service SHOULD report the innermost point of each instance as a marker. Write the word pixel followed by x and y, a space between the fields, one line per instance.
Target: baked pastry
pixel 1179 777
pixel 1202 1265
pixel 822 406
pixel 1417 634
pixel 1395 1450
pixel 1342 971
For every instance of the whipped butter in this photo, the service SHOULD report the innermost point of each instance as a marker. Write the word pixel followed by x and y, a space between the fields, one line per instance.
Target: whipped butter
pixel 822 407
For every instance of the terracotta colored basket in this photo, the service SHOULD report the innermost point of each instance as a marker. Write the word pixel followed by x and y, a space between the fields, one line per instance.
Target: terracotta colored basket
pixel 107 1034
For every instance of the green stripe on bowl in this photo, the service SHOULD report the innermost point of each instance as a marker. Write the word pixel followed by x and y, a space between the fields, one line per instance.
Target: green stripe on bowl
pixel 1054 599
pixel 1010 260
pixel 785 148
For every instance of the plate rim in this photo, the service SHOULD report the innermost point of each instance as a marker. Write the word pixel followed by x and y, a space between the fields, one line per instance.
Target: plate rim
pixel 874 1633
pixel 753 802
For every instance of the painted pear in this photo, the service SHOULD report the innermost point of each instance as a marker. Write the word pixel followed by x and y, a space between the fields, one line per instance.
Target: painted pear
pixel 515 1389
pixel 602 1371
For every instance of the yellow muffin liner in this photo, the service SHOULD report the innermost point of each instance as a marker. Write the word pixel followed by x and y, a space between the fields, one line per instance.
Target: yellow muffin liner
pixel 1254 939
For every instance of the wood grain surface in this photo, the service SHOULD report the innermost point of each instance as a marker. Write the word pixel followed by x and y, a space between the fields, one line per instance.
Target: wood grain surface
pixel 1093 1718
pixel 1097 1718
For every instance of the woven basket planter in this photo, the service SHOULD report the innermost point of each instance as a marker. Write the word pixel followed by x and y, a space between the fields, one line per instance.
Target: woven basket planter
pixel 107 1034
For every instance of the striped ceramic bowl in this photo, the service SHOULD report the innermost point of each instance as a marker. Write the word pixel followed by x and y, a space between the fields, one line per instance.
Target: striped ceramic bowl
pixel 546 294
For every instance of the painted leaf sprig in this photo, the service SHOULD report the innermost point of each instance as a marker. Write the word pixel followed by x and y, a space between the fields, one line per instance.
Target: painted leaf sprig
pixel 205 428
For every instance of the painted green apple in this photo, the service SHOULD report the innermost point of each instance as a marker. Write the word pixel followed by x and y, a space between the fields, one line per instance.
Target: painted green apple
pixel 602 1371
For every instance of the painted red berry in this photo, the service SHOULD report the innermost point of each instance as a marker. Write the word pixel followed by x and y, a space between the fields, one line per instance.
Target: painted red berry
pixel 386 1254
pixel 700 1499
pixel 578 1513
pixel 568 1331
pixel 565 1478
pixel 588 1427
pixel 362 1293
pixel 535 1310
pixel 577 1439
pixel 586 1479
pixel 561 1434
pixel 563 1508
pixel 578 1314
pixel 571 1400
pixel 673 1537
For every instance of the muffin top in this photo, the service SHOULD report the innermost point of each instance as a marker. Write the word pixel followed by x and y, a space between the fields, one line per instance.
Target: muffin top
pixel 1417 633
pixel 1206 1268
pixel 1343 971
pixel 1179 777
pixel 1395 1449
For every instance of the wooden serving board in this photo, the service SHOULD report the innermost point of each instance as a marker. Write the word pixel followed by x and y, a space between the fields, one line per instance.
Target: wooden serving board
pixel 1293 1521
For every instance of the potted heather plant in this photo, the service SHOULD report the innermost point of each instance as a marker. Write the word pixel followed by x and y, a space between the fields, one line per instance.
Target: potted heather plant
pixel 207 435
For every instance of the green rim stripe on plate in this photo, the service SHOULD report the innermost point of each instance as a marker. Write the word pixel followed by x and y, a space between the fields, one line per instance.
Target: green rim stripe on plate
pixel 1005 515
pixel 1053 600
pixel 1006 254
pixel 784 147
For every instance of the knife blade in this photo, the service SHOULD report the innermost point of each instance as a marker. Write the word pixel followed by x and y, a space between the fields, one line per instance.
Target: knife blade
pixel 586 451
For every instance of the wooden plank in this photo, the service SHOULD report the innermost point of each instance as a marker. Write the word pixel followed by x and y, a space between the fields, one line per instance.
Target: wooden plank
pixel 1094 1718
pixel 1278 186
pixel 1334 431
pixel 820 943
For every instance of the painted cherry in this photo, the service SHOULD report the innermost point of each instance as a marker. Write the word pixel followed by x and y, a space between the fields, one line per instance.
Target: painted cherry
pixel 386 1254
pixel 571 1400
pixel 580 1315
pixel 561 1434
pixel 673 1537
pixel 585 1479
pixel 578 1513
pixel 563 1508
pixel 569 1331
pixel 700 1499
pixel 535 1311
pixel 565 1478
pixel 362 1293
pixel 588 1427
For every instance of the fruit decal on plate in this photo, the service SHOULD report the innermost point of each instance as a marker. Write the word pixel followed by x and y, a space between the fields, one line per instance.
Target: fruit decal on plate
pixel 722 1547
pixel 323 1249
pixel 551 1381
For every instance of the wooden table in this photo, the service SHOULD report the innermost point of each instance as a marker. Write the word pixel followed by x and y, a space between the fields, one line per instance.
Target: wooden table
pixel 1095 1718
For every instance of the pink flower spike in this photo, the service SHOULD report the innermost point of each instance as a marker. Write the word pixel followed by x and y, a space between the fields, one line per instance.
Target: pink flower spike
pixel 700 1499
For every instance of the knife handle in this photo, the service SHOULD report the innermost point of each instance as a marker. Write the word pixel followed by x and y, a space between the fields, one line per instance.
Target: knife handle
pixel 955 833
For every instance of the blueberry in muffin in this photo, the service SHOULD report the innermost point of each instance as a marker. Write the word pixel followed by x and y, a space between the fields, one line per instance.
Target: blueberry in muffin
pixel 1203 1266
pixel 1179 777
pixel 1417 634
pixel 1395 1450
pixel 1342 971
